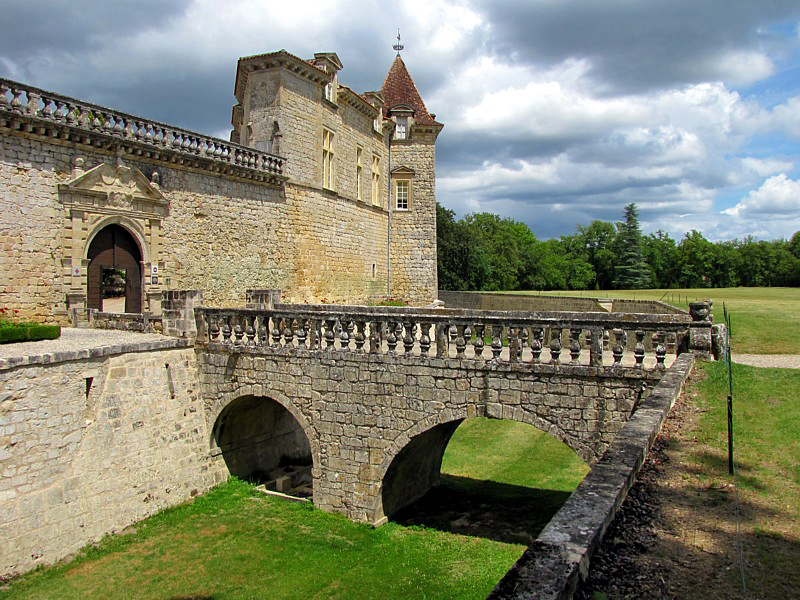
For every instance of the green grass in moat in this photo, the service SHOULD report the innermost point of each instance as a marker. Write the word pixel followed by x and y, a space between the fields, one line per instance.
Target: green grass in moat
pixel 764 320
pixel 237 543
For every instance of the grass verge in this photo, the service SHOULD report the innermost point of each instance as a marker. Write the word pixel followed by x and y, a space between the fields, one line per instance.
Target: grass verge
pixel 726 536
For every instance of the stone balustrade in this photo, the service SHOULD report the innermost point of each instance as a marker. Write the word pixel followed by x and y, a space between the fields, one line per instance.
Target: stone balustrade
pixel 555 338
pixel 30 109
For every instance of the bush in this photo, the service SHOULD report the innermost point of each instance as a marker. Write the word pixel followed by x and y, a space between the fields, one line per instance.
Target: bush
pixel 28 332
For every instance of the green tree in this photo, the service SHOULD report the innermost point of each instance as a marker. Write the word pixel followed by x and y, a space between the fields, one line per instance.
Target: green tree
pixel 695 260
pixel 661 255
pixel 794 245
pixel 506 245
pixel 462 263
pixel 631 271
pixel 597 243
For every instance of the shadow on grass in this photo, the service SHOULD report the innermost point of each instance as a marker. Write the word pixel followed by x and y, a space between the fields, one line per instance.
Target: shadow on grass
pixel 709 462
pixel 501 512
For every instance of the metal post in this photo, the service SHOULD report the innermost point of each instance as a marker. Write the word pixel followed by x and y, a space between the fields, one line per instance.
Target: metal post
pixel 730 387
pixel 389 223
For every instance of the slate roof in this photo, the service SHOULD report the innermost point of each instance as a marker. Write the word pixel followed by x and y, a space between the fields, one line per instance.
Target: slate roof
pixel 399 88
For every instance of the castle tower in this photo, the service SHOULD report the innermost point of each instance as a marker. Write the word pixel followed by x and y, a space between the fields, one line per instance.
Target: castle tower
pixel 412 199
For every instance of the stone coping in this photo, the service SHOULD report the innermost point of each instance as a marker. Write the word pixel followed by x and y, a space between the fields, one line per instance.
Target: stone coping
pixel 551 566
pixel 84 344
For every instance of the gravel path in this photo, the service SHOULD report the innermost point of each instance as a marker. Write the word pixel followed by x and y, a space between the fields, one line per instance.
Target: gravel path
pixel 778 361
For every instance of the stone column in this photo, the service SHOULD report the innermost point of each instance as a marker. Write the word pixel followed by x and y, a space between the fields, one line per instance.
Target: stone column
pixel 700 328
pixel 177 312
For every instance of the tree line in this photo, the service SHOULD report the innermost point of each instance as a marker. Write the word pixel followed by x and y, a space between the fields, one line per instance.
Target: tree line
pixel 483 251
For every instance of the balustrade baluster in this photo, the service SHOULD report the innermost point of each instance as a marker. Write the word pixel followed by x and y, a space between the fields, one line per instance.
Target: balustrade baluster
pixel 288 332
pixel 302 332
pixel 47 108
pixel 537 345
pixel 226 330
pixel 250 331
pixel 276 332
pixel 460 340
pixel 391 337
pixel 619 347
pixel 69 113
pixel 497 341
pixel 595 347
pixel 344 335
pixel 555 345
pixel 424 339
pixel 408 338
pixel 575 345
pixel 16 100
pixel 212 328
pixel 638 350
pixel 119 125
pixel 238 331
pixel 659 341
pixel 514 347
pixel 263 331
pixel 330 334
pixel 524 338
pixel 3 98
pixel 32 107
pixel 375 341
pixel 480 342
pixel 360 337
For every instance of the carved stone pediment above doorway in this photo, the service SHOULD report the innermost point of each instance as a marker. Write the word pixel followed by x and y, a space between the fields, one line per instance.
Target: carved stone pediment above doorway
pixel 118 197
pixel 114 188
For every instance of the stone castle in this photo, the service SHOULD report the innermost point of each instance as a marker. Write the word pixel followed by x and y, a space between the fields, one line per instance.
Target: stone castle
pixel 321 192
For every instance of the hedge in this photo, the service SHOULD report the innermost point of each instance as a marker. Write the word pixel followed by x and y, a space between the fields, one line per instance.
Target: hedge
pixel 28 332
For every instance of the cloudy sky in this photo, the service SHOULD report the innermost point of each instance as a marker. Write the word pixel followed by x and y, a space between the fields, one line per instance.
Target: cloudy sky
pixel 556 112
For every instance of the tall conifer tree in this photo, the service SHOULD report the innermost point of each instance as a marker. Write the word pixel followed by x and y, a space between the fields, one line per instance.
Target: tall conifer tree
pixel 631 271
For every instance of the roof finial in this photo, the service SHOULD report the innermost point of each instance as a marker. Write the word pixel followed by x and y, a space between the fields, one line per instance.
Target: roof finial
pixel 398 46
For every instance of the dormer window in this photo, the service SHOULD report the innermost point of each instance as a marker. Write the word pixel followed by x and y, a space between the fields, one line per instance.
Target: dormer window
pixel 401 128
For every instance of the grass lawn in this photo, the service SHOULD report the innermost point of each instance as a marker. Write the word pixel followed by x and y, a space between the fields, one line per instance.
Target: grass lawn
pixel 237 543
pixel 701 505
pixel 763 320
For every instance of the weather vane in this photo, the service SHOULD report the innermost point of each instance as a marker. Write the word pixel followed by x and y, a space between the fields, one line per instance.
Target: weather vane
pixel 398 46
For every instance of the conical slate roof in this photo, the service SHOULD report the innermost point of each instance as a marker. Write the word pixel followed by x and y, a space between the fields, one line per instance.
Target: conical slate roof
pixel 399 89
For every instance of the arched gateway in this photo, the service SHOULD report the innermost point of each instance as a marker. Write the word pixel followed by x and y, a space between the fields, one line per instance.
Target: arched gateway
pixel 115 271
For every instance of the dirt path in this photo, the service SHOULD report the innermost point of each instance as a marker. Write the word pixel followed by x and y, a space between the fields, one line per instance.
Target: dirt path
pixel 672 538
pixel 779 361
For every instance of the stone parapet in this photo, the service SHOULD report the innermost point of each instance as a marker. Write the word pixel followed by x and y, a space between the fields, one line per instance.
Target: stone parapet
pixel 32 110
pixel 514 337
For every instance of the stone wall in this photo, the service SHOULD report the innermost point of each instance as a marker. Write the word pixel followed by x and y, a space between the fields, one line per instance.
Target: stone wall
pixel 221 236
pixel 414 261
pixel 92 445
pixel 494 301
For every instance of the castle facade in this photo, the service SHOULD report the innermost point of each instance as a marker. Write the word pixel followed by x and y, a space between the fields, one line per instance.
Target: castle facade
pixel 321 192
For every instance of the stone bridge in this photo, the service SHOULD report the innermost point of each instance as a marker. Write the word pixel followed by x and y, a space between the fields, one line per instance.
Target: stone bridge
pixel 370 396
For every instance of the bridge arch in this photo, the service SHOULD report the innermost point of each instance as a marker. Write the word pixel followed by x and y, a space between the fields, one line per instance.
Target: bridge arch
pixel 412 463
pixel 255 433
